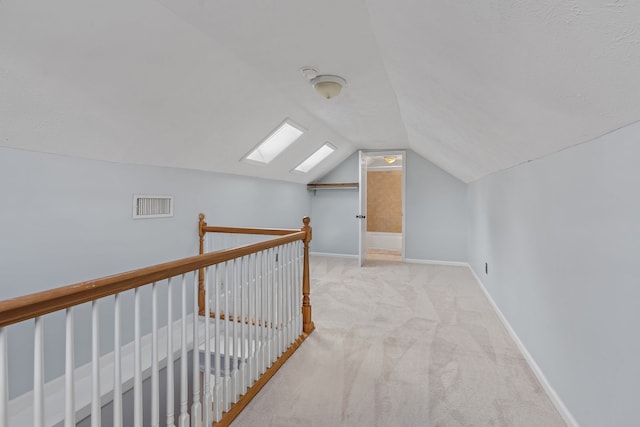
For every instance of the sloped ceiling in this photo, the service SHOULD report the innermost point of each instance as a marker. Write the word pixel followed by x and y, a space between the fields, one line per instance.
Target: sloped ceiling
pixel 474 87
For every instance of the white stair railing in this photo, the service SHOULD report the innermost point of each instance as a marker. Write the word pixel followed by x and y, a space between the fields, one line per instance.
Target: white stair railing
pixel 251 303
pixel 254 303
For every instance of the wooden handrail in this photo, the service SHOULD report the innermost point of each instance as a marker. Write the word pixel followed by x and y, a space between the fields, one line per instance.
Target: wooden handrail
pixel 203 228
pixel 30 306
pixel 241 230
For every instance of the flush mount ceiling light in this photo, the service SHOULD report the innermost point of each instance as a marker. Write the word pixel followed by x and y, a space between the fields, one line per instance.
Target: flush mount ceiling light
pixel 390 159
pixel 328 85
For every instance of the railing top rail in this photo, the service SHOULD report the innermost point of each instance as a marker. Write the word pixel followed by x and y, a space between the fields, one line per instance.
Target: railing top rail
pixel 248 230
pixel 30 306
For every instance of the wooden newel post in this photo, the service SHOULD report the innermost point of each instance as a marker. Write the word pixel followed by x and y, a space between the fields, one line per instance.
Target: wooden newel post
pixel 201 233
pixel 307 322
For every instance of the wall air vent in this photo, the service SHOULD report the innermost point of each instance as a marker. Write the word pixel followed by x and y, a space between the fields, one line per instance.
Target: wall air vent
pixel 152 206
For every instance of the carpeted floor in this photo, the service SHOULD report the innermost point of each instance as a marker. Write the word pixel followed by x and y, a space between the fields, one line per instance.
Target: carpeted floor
pixel 401 345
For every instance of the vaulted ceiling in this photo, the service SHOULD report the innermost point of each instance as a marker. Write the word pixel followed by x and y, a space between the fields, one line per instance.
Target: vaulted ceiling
pixel 475 87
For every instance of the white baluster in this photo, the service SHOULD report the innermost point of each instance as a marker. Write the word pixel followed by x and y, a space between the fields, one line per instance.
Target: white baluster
pixel 137 363
pixel 292 294
pixel 292 284
pixel 272 306
pixel 206 401
pixel 117 367
pixel 299 253
pixel 96 416
pixel 227 323
pixel 183 420
pixel 278 305
pixel 69 392
pixel 242 377
pixel 300 279
pixel 249 322
pixel 264 314
pixel 284 298
pixel 235 348
pixel 4 379
pixel 253 320
pixel 295 285
pixel 287 294
pixel 284 267
pixel 232 330
pixel 267 308
pixel 169 368
pixel 256 311
pixel 38 373
pixel 278 300
pixel 258 303
pixel 217 394
pixel 155 370
pixel 256 314
pixel 196 409
pixel 294 288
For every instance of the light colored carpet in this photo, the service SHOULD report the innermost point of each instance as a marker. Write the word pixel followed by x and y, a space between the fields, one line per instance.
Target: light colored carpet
pixel 401 345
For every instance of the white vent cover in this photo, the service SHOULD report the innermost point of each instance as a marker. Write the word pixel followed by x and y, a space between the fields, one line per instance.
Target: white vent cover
pixel 152 206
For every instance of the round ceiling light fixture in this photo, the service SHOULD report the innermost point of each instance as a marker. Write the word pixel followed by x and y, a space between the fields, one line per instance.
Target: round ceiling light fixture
pixel 390 159
pixel 328 85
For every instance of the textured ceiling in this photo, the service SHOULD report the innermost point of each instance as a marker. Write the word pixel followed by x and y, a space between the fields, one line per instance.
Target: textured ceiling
pixel 474 87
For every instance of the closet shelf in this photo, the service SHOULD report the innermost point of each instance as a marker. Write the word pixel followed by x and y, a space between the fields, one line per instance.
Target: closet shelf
pixel 335 186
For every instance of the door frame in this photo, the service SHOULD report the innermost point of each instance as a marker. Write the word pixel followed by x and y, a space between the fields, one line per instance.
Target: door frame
pixel 363 188
pixel 362 207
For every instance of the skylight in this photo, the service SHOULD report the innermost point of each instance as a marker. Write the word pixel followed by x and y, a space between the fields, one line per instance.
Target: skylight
pixel 313 160
pixel 275 143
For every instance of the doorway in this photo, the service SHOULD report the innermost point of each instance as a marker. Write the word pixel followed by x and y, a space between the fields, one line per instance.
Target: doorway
pixel 382 205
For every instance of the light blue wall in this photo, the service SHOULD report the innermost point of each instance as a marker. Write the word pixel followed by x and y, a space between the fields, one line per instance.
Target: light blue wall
pixel 436 212
pixel 59 212
pixel 64 220
pixel 561 236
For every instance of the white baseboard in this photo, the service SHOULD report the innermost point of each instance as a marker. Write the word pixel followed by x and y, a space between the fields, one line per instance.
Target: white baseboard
pixel 555 399
pixel 333 255
pixel 409 260
pixel 381 240
pixel 435 262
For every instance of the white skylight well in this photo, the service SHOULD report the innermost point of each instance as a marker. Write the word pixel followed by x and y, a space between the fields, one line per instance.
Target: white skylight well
pixel 314 160
pixel 274 144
